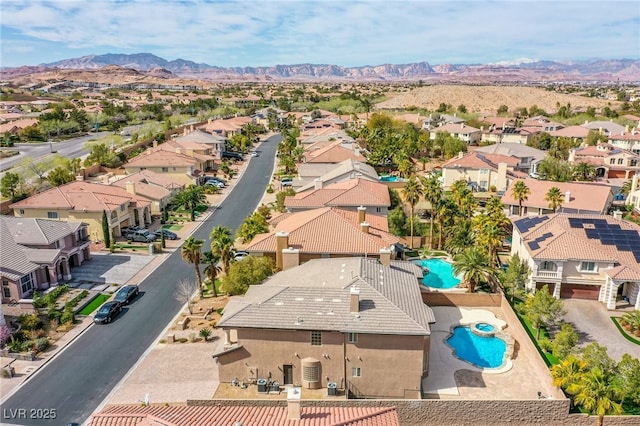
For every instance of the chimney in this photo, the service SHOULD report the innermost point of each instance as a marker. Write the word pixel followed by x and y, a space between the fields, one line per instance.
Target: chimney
pixel 131 187
pixel 317 183
pixel 178 150
pixel 191 128
pixel 364 227
pixel 282 242
pixel 462 125
pixel 501 183
pixel 385 256
pixel 290 258
pixel 634 184
pixel 362 214
pixel 190 152
pixel 567 196
pixel 155 143
pixel 185 132
pixel 460 154
pixel 293 404
pixel 354 301
pixel 482 128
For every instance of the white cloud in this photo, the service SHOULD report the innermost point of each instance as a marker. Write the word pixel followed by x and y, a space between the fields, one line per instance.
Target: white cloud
pixel 252 33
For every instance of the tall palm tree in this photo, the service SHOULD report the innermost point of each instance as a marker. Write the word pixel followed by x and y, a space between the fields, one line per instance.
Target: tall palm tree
pixel 584 171
pixel 211 261
pixel 445 210
pixel 412 193
pixel 190 198
pixel 555 198
pixel 459 191
pixel 192 254
pixel 568 371
pixel 222 245
pixel 432 193
pixel 520 192
pixel 473 264
pixel 461 237
pixel 597 392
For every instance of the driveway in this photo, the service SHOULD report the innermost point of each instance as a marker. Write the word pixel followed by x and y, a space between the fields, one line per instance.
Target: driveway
pixel 593 323
pixel 103 270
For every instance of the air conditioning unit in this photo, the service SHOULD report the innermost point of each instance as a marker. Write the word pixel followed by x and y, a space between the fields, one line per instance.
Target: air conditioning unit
pixel 332 389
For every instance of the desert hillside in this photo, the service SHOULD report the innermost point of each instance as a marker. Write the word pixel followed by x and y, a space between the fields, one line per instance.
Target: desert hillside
pixel 488 98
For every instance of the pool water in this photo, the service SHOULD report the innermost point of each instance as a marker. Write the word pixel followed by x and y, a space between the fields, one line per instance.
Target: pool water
pixel 483 326
pixel 388 178
pixel 481 351
pixel 440 274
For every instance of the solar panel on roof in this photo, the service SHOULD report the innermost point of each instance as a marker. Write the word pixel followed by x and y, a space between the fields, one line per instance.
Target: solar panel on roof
pixel 574 222
pixel 533 245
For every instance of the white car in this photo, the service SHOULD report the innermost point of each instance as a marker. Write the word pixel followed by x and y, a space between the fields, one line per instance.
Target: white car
pixel 239 255
pixel 255 154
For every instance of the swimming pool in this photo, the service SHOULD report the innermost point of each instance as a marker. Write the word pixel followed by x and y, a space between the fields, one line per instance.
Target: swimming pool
pixel 389 179
pixel 481 351
pixel 440 274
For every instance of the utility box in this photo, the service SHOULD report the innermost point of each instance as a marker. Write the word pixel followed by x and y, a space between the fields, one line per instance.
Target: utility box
pixel 332 389
pixel 262 385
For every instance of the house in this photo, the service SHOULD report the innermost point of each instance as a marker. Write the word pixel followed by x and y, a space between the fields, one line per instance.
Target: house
pixel 578 197
pixel 629 140
pixel 159 189
pixel 227 127
pixel 607 128
pixel 330 173
pixel 211 144
pixel 333 152
pixel 469 135
pixel 633 198
pixel 609 161
pixel 481 171
pixel 322 233
pixel 506 134
pixel 528 157
pixel 183 165
pixel 347 194
pixel 345 321
pixel 325 134
pixel 540 123
pixel 294 413
pixel 39 253
pixel 581 256
pixel 16 126
pixel 84 202
pixel 576 133
pixel 435 120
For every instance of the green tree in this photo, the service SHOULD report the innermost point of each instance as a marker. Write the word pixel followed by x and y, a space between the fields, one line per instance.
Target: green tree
pixel 105 229
pixel 594 137
pixel 564 341
pixel 597 392
pixel 631 320
pixel 555 197
pixel 568 371
pixel 280 197
pixel 503 109
pixel 596 356
pixel 222 245
pixel 433 194
pixel 629 378
pixel 412 192
pixel 212 268
pixel 461 237
pixel 556 170
pixel 516 275
pixel 543 309
pixel 191 252
pixel 190 198
pixel 60 176
pixel 9 183
pixel 584 171
pixel 473 264
pixel 397 221
pixel 520 193
pixel 251 270
pixel 253 225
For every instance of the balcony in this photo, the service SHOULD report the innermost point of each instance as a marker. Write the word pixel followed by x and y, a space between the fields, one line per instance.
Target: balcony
pixel 554 275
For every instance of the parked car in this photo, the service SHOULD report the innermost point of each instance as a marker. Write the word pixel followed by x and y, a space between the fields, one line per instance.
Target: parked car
pixel 239 255
pixel 126 294
pixel 142 236
pixel 107 312
pixel 168 235
pixel 255 154
pixel 214 183
pixel 214 179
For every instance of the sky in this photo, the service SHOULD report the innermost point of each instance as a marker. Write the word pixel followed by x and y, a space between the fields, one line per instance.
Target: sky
pixel 346 33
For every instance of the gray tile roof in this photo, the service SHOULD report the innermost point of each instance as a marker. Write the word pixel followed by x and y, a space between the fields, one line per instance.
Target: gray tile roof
pixel 13 261
pixel 316 296
pixel 28 231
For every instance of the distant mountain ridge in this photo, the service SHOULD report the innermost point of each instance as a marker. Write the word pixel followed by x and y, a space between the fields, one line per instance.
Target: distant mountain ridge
pixel 627 70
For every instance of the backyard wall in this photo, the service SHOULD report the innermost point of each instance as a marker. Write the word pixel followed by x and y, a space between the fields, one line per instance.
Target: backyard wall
pixel 471 300
pixel 456 412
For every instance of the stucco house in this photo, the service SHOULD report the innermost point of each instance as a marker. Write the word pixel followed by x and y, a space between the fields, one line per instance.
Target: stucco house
pixel 581 256
pixel 467 134
pixel 578 197
pixel 84 202
pixel 203 143
pixel 609 160
pixel 329 173
pixel 629 140
pixel 182 164
pixel 157 188
pixel 481 170
pixel 528 156
pixel 607 128
pixel 323 233
pixel 38 254
pixel 633 198
pixel 348 194
pixel 345 321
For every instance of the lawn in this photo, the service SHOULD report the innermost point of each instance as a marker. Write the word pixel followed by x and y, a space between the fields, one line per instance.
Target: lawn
pixel 172 227
pixel 616 321
pixel 549 358
pixel 95 303
pixel 133 247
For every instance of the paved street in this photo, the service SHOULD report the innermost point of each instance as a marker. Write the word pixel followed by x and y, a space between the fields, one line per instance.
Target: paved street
pixel 81 376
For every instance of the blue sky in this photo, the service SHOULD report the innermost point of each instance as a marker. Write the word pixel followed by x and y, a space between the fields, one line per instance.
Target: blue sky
pixel 348 33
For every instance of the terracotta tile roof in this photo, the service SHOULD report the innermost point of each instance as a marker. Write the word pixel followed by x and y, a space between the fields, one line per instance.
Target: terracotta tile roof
pixel 153 178
pixel 456 128
pixel 328 230
pixel 316 295
pixel 555 238
pixel 333 154
pixel 478 160
pixel 200 136
pixel 160 415
pixel 352 192
pixel 585 197
pixel 18 124
pixel 512 149
pixel 571 132
pixel 162 158
pixel 603 150
pixel 628 136
pixel 82 196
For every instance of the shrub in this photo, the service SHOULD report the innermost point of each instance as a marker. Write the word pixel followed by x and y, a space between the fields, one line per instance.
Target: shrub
pixel 29 322
pixel 68 316
pixel 270 189
pixel 205 333
pixel 545 344
pixel 5 333
pixel 41 344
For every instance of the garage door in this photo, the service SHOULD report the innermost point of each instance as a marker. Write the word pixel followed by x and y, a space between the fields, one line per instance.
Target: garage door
pixel 616 174
pixel 579 291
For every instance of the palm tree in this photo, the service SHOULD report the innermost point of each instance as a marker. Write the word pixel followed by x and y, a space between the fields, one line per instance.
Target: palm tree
pixel 191 253
pixel 412 193
pixel 555 198
pixel 461 237
pixel 433 194
pixel 568 371
pixel 222 245
pixel 597 392
pixel 459 191
pixel 626 188
pixel 584 171
pixel 190 198
pixel 520 192
pixel 444 212
pixel 473 264
pixel 211 261
pixel 632 319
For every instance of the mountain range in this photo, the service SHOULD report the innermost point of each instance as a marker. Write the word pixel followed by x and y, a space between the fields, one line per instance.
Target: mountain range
pixel 612 70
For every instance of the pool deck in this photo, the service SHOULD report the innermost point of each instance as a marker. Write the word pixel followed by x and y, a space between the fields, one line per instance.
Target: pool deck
pixel 451 378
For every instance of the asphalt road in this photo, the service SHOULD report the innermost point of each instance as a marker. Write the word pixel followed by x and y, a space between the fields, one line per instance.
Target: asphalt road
pixel 77 381
pixel 70 148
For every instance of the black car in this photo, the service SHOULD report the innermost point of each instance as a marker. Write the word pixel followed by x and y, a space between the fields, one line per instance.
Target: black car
pixel 168 235
pixel 107 312
pixel 126 294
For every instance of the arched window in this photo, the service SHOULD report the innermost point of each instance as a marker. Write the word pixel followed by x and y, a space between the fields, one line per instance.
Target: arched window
pixel 548 266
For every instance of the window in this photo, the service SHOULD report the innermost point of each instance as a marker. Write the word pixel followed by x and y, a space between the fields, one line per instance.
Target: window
pixel 26 284
pixel 57 244
pixel 6 291
pixel 165 170
pixel 620 160
pixel 52 215
pixel 588 267
pixel 311 374
pixel 353 338
pixel 21 211
pixel 356 372
pixel 633 162
pixel 123 207
pixel 612 161
pixel 378 210
pixel 548 266
pixel 484 171
pixel 316 338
